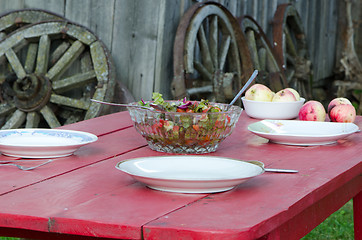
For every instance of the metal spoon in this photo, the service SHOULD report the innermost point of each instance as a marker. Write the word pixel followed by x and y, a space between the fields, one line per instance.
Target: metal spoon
pixel 277 170
pixel 252 77
pixel 25 168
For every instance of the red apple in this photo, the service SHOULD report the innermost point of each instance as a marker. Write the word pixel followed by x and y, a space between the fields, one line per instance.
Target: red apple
pixel 312 111
pixel 343 113
pixel 295 92
pixel 284 95
pixel 338 101
pixel 259 92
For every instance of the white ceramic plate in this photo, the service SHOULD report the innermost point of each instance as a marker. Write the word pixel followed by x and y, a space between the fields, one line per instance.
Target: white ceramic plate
pixel 303 133
pixel 190 174
pixel 42 143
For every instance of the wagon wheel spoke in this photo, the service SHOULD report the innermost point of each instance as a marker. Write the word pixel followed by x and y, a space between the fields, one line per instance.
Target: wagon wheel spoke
pixel 199 90
pixel 31 57
pixel 64 66
pixel 203 71
pixel 16 119
pixel 290 60
pixel 289 74
pixel 70 102
pixel 65 61
pixel 43 55
pixel 6 108
pixel 204 49
pixel 262 54
pixel 50 117
pixel 207 60
pixel 214 41
pixel 32 120
pixel 250 37
pixel 15 63
pixel 74 81
pixel 58 52
pixel 291 47
pixel 224 49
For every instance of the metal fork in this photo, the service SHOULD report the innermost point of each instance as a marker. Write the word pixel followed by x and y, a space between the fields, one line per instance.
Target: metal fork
pixel 26 168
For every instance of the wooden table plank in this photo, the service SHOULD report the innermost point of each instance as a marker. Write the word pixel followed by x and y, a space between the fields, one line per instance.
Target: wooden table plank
pixel 90 197
pixel 103 124
pixel 253 209
pixel 115 143
pixel 85 202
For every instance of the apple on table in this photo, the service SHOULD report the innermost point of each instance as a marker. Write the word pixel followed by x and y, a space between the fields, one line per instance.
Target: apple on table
pixel 312 111
pixel 341 110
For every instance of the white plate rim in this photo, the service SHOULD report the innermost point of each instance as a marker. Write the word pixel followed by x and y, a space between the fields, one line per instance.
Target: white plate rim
pixel 92 137
pixel 196 186
pixel 187 156
pixel 355 128
pixel 43 150
pixel 303 139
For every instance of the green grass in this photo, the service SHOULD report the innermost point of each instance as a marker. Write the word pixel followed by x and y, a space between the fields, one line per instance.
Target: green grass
pixel 338 226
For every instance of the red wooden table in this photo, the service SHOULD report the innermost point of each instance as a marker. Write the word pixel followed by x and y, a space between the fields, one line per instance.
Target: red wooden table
pixel 85 196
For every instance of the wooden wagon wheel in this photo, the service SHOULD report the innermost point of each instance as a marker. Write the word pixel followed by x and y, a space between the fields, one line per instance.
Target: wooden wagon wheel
pixel 263 57
pixel 13 20
pixel 53 69
pixel 207 59
pixel 290 45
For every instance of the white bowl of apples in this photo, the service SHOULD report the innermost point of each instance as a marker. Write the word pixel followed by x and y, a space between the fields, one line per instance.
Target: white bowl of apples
pixel 262 103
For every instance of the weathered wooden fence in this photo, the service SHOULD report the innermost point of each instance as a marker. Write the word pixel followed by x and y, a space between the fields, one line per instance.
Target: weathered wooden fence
pixel 140 33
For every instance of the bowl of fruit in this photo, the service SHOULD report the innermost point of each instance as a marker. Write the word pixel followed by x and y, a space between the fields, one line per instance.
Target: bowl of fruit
pixel 262 103
pixel 187 127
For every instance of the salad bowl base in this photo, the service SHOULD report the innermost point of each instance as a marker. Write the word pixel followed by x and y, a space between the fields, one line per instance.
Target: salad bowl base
pixel 156 146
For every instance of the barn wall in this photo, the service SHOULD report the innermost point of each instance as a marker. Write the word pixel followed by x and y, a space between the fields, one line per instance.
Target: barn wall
pixel 140 33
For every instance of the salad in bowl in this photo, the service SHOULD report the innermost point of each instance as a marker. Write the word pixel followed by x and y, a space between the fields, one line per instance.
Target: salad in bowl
pixel 183 126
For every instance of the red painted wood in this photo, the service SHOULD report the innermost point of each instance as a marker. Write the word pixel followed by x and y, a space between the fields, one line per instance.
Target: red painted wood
pixel 106 147
pixel 309 218
pixel 357 215
pixel 85 195
pixel 103 124
pixel 260 205
pixel 97 200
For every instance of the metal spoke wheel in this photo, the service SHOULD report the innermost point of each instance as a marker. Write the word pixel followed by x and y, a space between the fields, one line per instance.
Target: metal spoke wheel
pixel 263 57
pixel 290 45
pixel 208 63
pixel 52 69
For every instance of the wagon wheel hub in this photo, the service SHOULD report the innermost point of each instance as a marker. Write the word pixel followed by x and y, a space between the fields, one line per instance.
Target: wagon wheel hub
pixel 32 92
pixel 52 69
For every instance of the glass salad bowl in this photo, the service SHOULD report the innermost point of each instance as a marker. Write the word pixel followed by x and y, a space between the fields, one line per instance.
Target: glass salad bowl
pixel 183 131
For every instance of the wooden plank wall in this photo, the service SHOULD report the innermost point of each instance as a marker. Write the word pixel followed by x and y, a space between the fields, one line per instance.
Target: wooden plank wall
pixel 140 33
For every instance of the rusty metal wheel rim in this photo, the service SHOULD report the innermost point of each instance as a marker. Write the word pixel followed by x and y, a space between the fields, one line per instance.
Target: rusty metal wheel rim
pixel 290 44
pixel 200 70
pixel 263 56
pixel 51 49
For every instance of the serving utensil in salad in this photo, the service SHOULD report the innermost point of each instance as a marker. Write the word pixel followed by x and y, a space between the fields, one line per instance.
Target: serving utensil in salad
pixel 159 107
pixel 125 104
pixel 252 77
